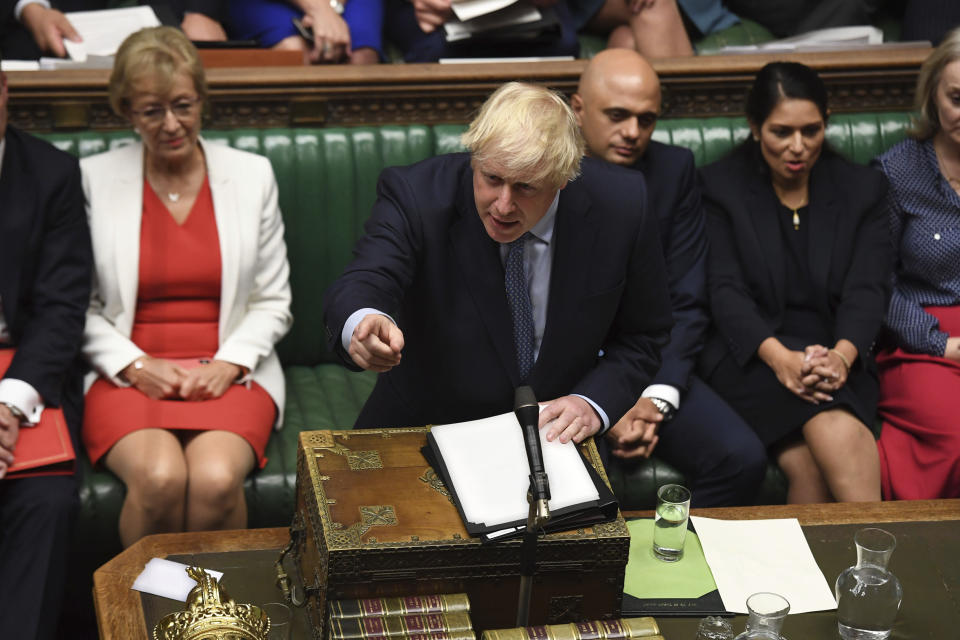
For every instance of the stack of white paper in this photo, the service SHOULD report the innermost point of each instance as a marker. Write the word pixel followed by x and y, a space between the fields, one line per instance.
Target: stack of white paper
pixel 487 463
pixel 103 31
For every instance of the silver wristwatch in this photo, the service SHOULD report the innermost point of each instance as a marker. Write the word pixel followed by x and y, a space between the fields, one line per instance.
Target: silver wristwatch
pixel 19 415
pixel 337 6
pixel 665 408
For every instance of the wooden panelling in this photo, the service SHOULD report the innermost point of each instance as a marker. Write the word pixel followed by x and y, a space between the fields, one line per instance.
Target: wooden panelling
pixel 704 86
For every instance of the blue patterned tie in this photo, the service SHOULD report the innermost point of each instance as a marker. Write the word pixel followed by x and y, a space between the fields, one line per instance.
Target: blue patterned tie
pixel 521 310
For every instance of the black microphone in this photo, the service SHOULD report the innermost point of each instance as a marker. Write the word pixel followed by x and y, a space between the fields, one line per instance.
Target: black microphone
pixel 528 415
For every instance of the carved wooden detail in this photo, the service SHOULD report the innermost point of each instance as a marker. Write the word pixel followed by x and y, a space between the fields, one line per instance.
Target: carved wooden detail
pixel 703 86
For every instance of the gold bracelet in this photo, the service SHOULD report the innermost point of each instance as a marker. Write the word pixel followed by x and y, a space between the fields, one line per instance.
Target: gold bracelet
pixel 842 357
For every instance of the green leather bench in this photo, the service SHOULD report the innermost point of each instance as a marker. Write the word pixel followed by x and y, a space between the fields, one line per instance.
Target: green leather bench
pixel 327 181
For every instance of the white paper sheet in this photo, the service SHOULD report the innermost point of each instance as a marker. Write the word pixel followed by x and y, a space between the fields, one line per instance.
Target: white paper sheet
pixel 749 556
pixel 168 579
pixel 487 463
pixel 103 31
pixel 470 9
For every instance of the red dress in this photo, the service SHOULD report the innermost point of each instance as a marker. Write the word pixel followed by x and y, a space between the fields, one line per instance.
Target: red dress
pixel 178 311
pixel 919 445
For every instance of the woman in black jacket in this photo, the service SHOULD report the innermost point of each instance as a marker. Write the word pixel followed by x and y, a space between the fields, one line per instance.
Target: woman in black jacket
pixel 799 274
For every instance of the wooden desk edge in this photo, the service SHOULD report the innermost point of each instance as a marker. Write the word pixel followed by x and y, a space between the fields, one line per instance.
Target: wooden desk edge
pixel 120 616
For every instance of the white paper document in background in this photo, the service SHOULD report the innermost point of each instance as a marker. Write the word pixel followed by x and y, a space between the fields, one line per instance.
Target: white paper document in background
pixel 487 463
pixel 750 556
pixel 168 579
pixel 103 31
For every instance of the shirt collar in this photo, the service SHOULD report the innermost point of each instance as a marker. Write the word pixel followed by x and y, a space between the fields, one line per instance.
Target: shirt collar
pixel 543 230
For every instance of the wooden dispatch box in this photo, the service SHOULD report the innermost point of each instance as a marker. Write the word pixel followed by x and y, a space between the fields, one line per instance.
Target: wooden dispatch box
pixel 374 520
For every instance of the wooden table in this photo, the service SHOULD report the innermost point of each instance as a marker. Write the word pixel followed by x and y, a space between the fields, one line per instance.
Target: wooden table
pixel 120 613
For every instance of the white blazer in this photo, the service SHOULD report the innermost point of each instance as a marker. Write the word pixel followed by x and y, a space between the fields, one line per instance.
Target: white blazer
pixel 255 287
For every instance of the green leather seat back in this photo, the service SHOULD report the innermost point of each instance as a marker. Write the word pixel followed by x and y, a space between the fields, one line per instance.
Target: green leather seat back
pixel 327 181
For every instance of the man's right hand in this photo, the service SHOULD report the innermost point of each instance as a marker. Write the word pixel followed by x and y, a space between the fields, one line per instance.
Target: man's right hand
pixel 9 433
pixel 157 378
pixel 376 344
pixel 431 14
pixel 48 27
pixel 635 435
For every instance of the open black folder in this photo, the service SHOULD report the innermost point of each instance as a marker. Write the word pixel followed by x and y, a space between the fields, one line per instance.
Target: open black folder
pixel 570 476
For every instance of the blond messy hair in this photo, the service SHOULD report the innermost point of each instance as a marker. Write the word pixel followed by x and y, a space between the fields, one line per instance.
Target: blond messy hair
pixel 156 54
pixel 530 132
pixel 927 121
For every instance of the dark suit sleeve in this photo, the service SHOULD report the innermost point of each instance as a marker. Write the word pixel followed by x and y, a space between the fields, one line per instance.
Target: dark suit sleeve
pixel 56 305
pixel 215 9
pixel 641 328
pixel 735 313
pixel 686 256
pixel 866 288
pixel 384 261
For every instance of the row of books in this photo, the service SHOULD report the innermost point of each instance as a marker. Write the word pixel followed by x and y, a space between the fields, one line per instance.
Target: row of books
pixel 447 617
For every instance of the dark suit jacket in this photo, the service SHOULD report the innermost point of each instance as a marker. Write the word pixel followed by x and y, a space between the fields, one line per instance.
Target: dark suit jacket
pixel 45 265
pixel 850 253
pixel 427 258
pixel 674 198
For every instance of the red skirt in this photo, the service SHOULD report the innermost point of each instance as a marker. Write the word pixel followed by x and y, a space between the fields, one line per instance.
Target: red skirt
pixel 919 445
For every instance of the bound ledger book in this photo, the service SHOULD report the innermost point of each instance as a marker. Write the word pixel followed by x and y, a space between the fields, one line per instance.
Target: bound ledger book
pixel 484 465
pixel 44 449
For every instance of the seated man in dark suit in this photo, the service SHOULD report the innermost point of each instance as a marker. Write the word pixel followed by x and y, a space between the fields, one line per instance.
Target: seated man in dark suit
pixel 617 104
pixel 499 268
pixel 45 268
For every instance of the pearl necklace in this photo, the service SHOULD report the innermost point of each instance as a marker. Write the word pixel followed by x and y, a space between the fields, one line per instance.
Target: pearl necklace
pixel 173 196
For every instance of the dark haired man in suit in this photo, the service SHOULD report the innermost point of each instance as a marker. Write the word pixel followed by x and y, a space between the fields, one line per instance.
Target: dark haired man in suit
pixel 617 104
pixel 518 263
pixel 45 266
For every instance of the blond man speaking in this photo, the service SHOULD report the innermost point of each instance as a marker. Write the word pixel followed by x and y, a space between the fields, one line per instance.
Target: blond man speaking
pixel 516 263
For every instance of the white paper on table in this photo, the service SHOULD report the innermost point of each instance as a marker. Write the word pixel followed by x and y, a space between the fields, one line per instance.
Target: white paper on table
pixel 168 579
pixel 487 463
pixel 103 30
pixel 516 13
pixel 470 9
pixel 750 556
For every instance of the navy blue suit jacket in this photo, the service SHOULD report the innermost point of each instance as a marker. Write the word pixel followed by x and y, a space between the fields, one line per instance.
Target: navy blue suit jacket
pixel 674 198
pixel 427 258
pixel 45 266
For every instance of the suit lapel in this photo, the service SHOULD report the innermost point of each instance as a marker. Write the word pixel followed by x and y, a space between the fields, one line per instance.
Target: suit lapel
pixel 225 209
pixel 127 195
pixel 17 201
pixel 574 238
pixel 478 258
pixel 762 207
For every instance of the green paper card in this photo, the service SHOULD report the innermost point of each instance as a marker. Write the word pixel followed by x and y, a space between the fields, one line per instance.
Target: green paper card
pixel 654 587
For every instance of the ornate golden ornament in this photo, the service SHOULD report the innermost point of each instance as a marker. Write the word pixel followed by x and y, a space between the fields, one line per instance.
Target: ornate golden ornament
pixel 211 614
pixel 430 478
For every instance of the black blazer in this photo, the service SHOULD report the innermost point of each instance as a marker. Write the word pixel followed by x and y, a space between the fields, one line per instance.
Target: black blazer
pixel 45 263
pixel 674 198
pixel 849 256
pixel 427 258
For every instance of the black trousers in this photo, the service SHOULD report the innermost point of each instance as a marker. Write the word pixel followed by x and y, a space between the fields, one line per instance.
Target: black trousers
pixel 36 517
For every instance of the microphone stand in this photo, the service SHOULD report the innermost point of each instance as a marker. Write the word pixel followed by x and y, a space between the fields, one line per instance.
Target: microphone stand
pixel 527 412
pixel 537 516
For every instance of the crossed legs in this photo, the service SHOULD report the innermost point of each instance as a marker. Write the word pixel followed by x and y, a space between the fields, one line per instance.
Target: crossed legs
pixel 192 484
pixel 836 460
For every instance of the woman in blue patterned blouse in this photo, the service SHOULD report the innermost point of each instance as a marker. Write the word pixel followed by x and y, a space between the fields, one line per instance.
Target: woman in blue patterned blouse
pixel 920 378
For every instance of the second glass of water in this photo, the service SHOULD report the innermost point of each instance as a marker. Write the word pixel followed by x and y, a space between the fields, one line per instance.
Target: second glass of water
pixel 670 523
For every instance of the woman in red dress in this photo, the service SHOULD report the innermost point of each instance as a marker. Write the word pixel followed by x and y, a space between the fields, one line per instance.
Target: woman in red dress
pixel 190 296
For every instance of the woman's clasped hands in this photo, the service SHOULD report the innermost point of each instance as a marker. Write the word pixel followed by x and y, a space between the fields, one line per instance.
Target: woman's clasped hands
pixel 161 379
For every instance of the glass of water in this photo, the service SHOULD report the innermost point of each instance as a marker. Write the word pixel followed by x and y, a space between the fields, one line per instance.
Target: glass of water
pixel 670 523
